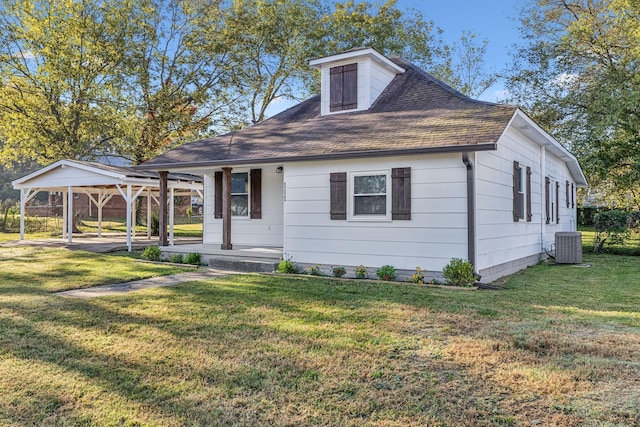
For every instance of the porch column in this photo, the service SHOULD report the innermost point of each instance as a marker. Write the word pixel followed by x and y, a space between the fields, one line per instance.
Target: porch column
pixel 129 201
pixel 99 206
pixel 162 215
pixel 149 214
pixel 23 202
pixel 226 209
pixel 172 207
pixel 70 215
pixel 64 215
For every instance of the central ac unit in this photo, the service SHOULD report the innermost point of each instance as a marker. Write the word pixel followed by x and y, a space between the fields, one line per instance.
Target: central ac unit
pixel 568 247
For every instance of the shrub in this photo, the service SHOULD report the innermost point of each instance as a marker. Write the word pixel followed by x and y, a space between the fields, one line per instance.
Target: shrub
pixel 151 253
pixel 287 266
pixel 386 272
pixel 177 258
pixel 338 271
pixel 193 258
pixel 315 270
pixel 612 227
pixel 361 272
pixel 459 273
pixel 417 277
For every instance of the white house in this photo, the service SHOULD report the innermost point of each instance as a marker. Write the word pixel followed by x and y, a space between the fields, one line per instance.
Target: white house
pixel 387 166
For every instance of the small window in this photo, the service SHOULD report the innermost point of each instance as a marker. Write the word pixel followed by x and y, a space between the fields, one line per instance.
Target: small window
pixel 369 191
pixel 240 194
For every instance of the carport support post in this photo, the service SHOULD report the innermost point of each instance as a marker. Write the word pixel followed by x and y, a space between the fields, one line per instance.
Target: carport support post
pixel 149 214
pixel 172 208
pixel 226 209
pixel 70 215
pixel 162 215
pixel 129 217
pixel 64 215
pixel 23 202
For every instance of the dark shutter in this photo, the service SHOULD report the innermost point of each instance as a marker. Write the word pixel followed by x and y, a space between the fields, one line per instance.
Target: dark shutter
pixel 338 195
pixel 350 87
pixel 255 189
pixel 343 87
pixel 557 202
pixel 573 202
pixel 566 188
pixel 547 202
pixel 516 194
pixel 335 88
pixel 529 214
pixel 401 193
pixel 217 196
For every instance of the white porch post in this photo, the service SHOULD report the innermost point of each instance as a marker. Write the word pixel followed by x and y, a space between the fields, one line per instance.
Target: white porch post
pixel 134 220
pixel 23 202
pixel 99 206
pixel 149 214
pixel 70 215
pixel 171 214
pixel 128 200
pixel 64 215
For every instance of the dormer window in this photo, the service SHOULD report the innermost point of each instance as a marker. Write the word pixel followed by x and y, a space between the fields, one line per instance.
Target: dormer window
pixel 344 87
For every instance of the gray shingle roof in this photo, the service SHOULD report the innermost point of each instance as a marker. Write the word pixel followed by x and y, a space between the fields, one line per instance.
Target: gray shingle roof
pixel 416 112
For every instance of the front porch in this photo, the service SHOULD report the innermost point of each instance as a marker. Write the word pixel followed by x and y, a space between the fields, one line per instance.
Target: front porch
pixel 257 259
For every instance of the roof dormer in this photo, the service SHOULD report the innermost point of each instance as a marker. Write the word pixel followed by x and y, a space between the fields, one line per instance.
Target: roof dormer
pixel 353 80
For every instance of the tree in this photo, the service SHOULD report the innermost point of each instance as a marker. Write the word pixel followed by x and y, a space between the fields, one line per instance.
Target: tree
pixel 274 40
pixel 60 69
pixel 579 77
pixel 179 80
pixel 468 73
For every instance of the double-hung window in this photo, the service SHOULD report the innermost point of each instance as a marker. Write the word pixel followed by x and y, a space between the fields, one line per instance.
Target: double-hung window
pixel 240 194
pixel 370 195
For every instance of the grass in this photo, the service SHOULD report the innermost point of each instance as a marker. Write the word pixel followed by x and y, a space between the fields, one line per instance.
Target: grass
pixel 559 346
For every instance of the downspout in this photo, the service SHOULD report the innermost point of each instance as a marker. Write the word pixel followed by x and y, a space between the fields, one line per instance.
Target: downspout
pixel 471 213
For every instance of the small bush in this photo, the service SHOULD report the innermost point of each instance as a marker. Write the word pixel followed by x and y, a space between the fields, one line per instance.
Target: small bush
pixel 459 273
pixel 338 271
pixel 417 277
pixel 287 266
pixel 151 253
pixel 315 270
pixel 386 272
pixel 361 272
pixel 177 258
pixel 193 258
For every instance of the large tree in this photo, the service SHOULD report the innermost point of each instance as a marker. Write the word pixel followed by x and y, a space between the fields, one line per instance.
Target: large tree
pixel 579 75
pixel 60 69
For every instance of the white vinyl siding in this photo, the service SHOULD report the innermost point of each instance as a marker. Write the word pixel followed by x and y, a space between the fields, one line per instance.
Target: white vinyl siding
pixel 436 232
pixel 499 238
pixel 266 231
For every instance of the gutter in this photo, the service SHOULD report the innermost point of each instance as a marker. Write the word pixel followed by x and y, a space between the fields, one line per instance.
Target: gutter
pixel 471 213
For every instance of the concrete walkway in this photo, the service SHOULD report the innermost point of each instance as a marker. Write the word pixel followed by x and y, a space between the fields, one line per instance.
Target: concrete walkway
pixel 152 282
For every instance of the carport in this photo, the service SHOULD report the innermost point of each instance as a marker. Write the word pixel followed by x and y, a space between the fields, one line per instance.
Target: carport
pixel 100 183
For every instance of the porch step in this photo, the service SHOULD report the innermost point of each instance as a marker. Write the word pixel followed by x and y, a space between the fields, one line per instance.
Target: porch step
pixel 249 265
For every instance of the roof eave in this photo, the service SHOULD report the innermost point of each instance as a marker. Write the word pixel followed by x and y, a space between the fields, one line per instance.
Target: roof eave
pixel 333 156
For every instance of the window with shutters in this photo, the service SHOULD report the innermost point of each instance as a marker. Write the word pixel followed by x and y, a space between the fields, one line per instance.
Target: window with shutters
pixel 521 192
pixel 369 196
pixel 343 87
pixel 246 194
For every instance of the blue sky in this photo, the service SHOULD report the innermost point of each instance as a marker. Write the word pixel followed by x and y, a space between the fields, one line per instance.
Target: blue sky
pixel 493 20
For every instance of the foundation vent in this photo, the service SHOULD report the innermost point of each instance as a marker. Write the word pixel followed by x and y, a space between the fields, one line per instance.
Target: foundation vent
pixel 568 247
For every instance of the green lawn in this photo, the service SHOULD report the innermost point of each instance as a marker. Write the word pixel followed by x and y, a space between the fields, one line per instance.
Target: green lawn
pixel 559 346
